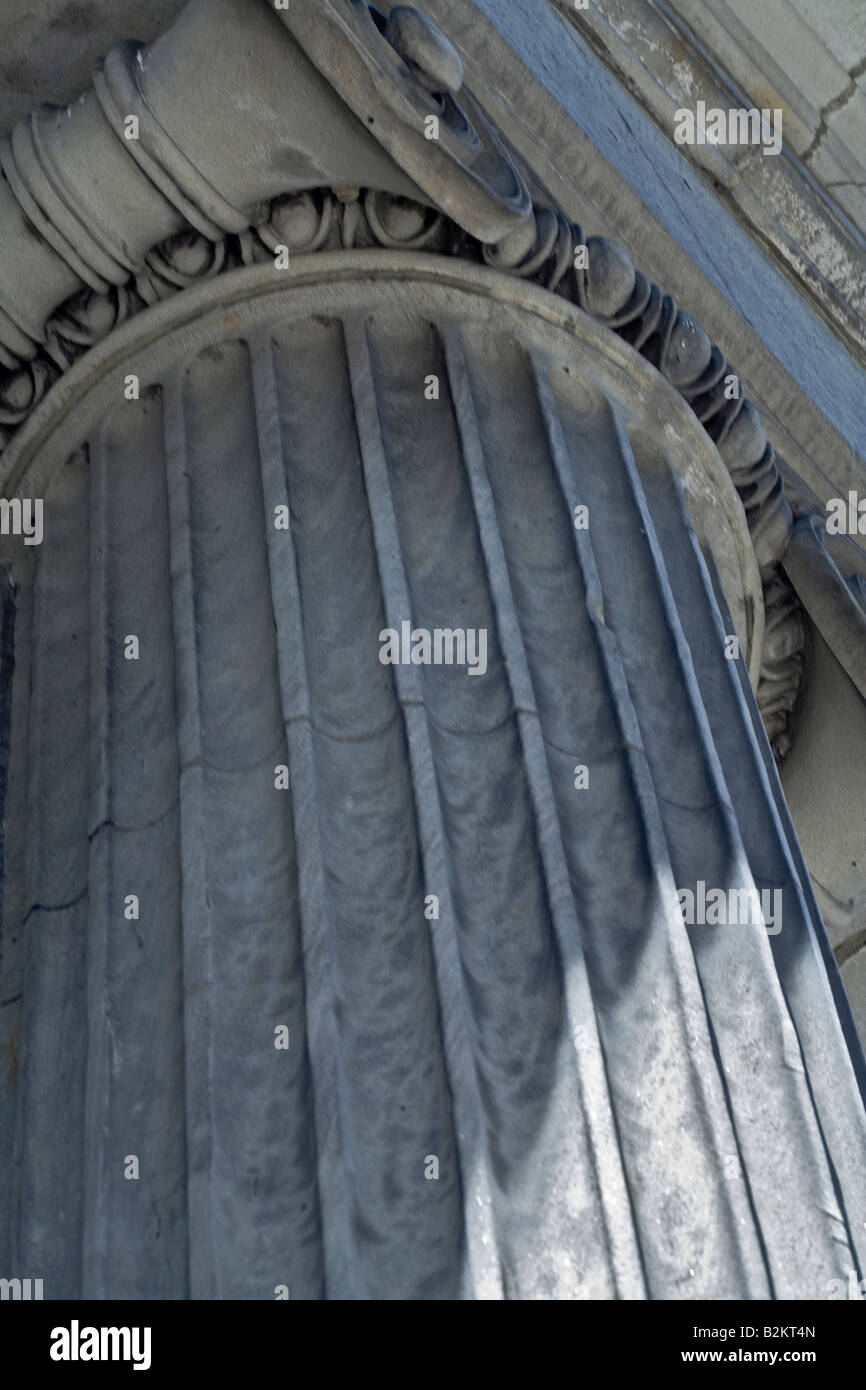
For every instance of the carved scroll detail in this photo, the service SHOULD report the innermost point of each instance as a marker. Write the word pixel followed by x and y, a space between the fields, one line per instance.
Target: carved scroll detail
pixel 608 287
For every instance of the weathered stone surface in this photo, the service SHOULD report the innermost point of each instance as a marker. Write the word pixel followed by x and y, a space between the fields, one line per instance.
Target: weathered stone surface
pixel 613 170
pixel 839 24
pixel 49 47
pixel 585 1068
pixel 807 57
pixel 654 48
pixel 619 1104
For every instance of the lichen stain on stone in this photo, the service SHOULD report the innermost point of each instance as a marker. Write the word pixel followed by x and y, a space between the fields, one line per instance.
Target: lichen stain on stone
pixel 230 323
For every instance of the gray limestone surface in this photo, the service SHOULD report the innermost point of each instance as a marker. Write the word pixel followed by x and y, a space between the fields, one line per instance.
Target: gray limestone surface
pixel 615 170
pixel 480 962
pixel 478 956
pixel 48 47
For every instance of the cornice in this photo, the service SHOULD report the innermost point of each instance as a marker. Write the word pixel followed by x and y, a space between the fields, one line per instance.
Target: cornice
pixel 98 227
pixel 605 161
pixel 650 47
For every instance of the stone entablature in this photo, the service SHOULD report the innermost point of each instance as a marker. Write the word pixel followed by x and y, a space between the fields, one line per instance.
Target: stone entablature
pixel 809 205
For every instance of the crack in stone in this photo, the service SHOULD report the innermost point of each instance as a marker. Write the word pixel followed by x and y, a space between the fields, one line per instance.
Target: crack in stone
pixel 54 907
pixel 834 106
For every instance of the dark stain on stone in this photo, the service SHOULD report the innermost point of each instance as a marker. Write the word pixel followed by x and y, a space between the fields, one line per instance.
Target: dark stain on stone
pixel 19 74
pixel 75 19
